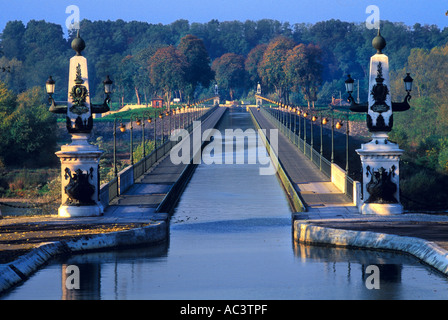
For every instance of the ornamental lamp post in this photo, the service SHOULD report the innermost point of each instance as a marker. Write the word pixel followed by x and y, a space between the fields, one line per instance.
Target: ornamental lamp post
pixel 79 159
pixel 349 85
pixel 122 128
pixel 131 138
pixel 408 84
pixel 162 129
pixel 380 157
pixel 107 86
pixel 49 86
pixel 149 119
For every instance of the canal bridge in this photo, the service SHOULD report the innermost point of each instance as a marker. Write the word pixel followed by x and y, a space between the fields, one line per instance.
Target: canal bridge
pixel 154 184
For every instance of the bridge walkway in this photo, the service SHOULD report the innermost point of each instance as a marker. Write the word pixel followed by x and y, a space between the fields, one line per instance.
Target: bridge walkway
pixel 316 190
pixel 148 195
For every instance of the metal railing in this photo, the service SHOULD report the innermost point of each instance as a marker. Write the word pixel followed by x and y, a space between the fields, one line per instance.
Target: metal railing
pixel 316 157
pixel 109 191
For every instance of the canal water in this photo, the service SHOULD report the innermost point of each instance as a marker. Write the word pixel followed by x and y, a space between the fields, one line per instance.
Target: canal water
pixel 231 238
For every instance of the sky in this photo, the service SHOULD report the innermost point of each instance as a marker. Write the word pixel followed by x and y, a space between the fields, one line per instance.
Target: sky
pixel 167 11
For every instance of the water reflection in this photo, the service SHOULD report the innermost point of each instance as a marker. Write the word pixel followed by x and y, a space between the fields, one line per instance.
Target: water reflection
pixel 107 272
pixel 355 262
pixel 203 266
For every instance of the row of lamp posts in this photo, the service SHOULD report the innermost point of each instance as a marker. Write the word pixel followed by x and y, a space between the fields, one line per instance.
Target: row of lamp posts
pixel 380 157
pixel 284 113
pixel 149 117
pixel 80 187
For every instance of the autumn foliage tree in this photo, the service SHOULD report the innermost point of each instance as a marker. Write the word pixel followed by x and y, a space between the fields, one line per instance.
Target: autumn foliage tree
pixel 229 71
pixel 287 67
pixel 271 68
pixel 168 68
pixel 252 62
pixel 303 70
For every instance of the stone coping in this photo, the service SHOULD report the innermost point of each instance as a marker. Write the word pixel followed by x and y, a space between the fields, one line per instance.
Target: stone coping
pixel 21 269
pixel 426 251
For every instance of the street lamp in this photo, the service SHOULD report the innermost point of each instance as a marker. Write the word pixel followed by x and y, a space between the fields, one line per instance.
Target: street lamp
pixel 349 85
pixel 162 128
pixel 300 125
pixel 408 84
pixel 80 189
pixel 131 138
pixel 313 119
pixel 339 124
pixel 380 157
pixel 122 129
pixel 49 85
pixel 145 115
pixel 305 114
pixel 61 107
pixel 107 85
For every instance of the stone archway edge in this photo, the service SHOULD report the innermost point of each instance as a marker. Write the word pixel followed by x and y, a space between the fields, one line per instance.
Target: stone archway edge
pixel 426 251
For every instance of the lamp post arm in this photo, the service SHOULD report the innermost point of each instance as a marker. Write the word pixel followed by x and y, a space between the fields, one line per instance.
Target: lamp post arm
pixel 402 106
pixel 357 107
pixel 59 107
pixel 101 108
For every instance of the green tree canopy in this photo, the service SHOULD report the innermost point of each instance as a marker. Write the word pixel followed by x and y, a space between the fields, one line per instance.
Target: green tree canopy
pixel 303 70
pixel 168 67
pixel 28 133
pixel 198 71
pixel 230 72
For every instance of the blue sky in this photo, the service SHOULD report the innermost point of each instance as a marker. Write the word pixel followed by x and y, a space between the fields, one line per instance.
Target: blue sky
pixel 167 11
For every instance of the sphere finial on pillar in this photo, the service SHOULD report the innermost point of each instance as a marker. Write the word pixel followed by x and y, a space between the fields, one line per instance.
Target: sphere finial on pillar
pixel 379 43
pixel 78 44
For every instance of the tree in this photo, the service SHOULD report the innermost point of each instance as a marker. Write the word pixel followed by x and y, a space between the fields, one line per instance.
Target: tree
pixel 271 68
pixel 303 70
pixel 168 67
pixel 252 63
pixel 28 134
pixel 12 40
pixel 422 131
pixel 7 100
pixel 128 70
pixel 198 71
pixel 230 72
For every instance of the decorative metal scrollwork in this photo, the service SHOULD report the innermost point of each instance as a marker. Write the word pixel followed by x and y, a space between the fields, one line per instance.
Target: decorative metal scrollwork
pixel 79 94
pixel 79 190
pixel 381 188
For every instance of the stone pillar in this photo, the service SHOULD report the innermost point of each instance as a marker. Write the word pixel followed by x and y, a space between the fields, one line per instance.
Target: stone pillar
pixel 79 160
pixel 80 178
pixel 380 160
pixel 216 98
pixel 259 101
pixel 380 157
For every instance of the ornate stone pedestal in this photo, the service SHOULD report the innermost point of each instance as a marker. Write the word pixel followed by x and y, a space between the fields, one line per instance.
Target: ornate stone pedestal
pixel 380 158
pixel 380 164
pixel 79 160
pixel 80 178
